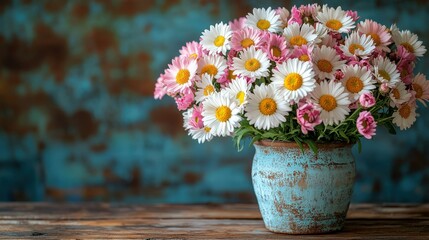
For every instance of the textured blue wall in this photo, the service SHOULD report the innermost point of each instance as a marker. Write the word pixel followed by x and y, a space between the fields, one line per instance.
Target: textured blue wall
pixel 78 120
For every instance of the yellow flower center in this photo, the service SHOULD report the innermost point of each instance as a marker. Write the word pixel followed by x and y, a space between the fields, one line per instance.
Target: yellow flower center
pixel 207 129
pixel 197 119
pixel 304 58
pixel 405 111
pixel 252 64
pixel 325 66
pixel 247 42
pixel 384 74
pixel 231 75
pixel 418 89
pixel 375 38
pixel 276 51
pixel 328 102
pixel 223 113
pixel 334 24
pixel 308 19
pixel 268 106
pixel 298 41
pixel 404 73
pixel 354 46
pixel 354 84
pixel 293 81
pixel 218 42
pixel 263 24
pixel 208 90
pixel 210 69
pixel 240 97
pixel 193 55
pixel 408 46
pixel 396 93
pixel 182 76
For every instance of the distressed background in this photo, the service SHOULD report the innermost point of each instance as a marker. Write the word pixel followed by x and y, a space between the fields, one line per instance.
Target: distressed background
pixel 78 121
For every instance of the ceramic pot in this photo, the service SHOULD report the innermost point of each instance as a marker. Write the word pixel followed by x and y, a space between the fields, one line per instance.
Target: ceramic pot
pixel 303 193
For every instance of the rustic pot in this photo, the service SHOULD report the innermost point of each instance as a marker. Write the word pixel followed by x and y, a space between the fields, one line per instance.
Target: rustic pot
pixel 303 193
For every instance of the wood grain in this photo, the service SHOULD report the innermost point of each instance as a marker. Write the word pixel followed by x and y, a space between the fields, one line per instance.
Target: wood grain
pixel 238 221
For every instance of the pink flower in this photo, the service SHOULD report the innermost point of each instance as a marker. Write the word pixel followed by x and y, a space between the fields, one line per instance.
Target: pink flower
pixel 379 34
pixel 275 47
pixel 378 53
pixel 364 63
pixel 295 16
pixel 245 38
pixel 308 116
pixel 180 74
pixel 184 102
pixel 303 53
pixel 192 50
pixel 353 15
pixel 366 124
pixel 404 55
pixel 384 88
pixel 354 105
pixel 339 75
pixel 196 119
pixel 309 12
pixel 237 24
pixel 405 69
pixel 160 88
pixel 284 15
pixel 367 100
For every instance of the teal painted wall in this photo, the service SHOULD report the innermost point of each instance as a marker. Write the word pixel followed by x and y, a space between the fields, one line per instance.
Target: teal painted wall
pixel 78 121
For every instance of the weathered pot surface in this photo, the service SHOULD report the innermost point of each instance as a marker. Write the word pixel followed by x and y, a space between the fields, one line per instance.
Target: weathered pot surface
pixel 303 193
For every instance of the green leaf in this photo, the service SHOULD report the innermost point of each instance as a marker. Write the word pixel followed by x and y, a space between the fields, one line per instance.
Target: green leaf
pixel 390 127
pixel 269 135
pixel 342 134
pixel 312 146
pixel 299 144
pixel 359 145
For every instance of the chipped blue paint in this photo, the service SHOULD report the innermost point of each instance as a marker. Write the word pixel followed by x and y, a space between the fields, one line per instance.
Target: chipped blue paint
pixel 303 193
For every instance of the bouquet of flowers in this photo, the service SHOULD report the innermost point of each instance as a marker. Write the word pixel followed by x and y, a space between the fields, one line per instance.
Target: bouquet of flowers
pixel 310 75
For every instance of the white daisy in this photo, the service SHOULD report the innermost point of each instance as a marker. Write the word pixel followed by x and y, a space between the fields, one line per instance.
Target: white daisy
pixel 239 89
pixel 297 36
pixel 266 108
pixel 221 114
pixel 358 45
pixel 214 65
pixel 251 63
pixel 264 19
pixel 405 116
pixel 335 20
pixel 421 87
pixel 333 101
pixel 386 71
pixel 410 42
pixel 294 78
pixel 205 87
pixel 202 134
pixel 326 62
pixel 357 80
pixel 399 95
pixel 321 32
pixel 186 116
pixel 216 40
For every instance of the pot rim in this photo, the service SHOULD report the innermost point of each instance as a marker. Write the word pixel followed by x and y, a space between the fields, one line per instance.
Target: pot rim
pixel 274 143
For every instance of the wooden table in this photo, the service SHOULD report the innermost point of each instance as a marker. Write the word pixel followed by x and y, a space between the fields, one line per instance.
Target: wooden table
pixel 238 221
